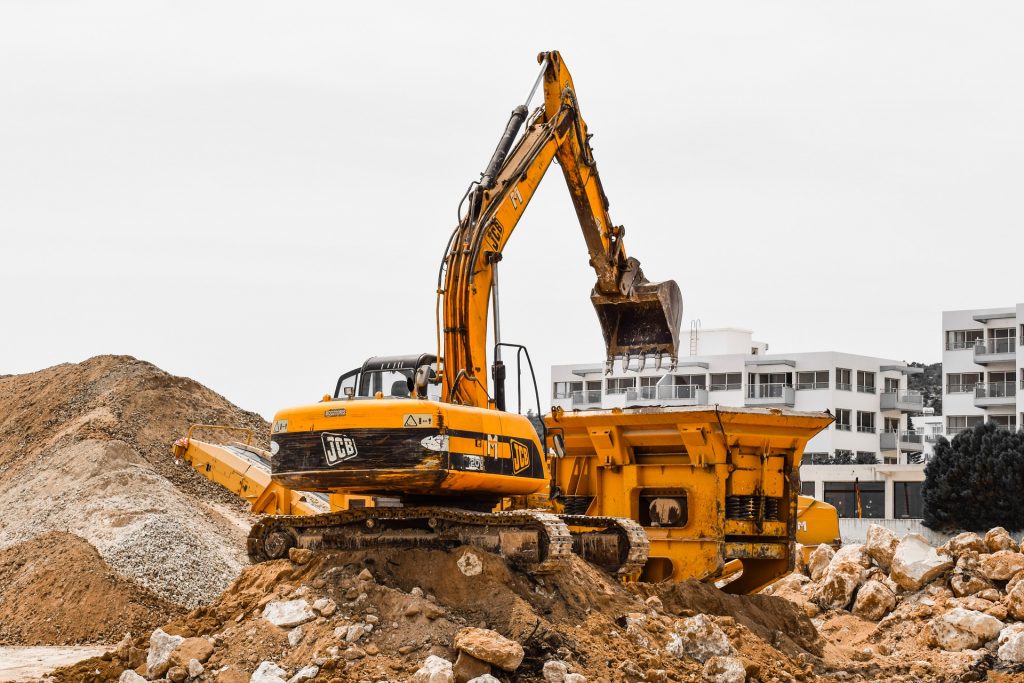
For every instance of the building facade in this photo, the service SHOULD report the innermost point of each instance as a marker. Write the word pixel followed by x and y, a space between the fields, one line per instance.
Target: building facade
pixel 982 371
pixel 868 454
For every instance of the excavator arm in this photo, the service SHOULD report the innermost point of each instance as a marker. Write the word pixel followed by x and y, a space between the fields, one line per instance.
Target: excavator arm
pixel 639 319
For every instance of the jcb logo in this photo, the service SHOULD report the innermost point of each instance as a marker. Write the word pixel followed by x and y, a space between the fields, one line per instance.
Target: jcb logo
pixel 338 448
pixel 520 456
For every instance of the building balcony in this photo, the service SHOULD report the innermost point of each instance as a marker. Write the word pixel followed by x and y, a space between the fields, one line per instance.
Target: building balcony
pixel 995 394
pixel 682 394
pixel 770 395
pixel 1001 350
pixel 908 442
pixel 906 401
pixel 586 399
pixel 675 394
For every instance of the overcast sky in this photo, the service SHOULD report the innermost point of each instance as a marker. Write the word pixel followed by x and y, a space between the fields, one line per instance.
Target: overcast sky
pixel 257 195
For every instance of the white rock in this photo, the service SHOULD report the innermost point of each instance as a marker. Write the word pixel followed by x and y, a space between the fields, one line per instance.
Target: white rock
pixel 874 601
pixel 306 673
pixel 486 678
pixel 268 672
pixel 700 638
pixel 725 670
pixel 1011 644
pixel 855 552
pixel 963 629
pixel 129 676
pixel 354 632
pixel 916 563
pixel 195 668
pixel 1015 600
pixel 838 583
pixel 295 636
pixel 575 678
pixel 554 671
pixel 434 670
pixel 966 542
pixel 469 564
pixel 158 659
pixel 325 607
pixel 880 545
pixel 288 613
pixel 817 563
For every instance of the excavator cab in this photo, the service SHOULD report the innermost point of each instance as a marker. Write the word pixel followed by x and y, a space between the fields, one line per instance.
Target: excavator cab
pixel 392 377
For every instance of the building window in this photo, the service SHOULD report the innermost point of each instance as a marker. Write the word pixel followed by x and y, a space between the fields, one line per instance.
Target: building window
pixel 907 501
pixel 891 424
pixel 959 423
pixel 865 382
pixel 843 419
pixel 866 458
pixel 843 457
pixel 817 379
pixel 890 460
pixel 843 379
pixel 619 385
pixel 811 458
pixel 807 488
pixel 845 496
pixel 962 382
pixel 726 381
pixel 1002 340
pixel 963 339
pixel 865 422
pixel 1008 422
pixel 566 389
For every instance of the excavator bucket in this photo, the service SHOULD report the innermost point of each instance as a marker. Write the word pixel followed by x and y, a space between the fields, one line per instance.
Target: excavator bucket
pixel 642 324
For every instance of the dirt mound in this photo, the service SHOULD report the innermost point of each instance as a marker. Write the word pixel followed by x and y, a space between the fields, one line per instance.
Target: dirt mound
pixel 57 590
pixel 84 448
pixel 379 615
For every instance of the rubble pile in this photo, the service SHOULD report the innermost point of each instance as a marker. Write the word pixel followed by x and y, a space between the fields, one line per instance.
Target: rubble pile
pixel 905 608
pixel 416 616
pixel 84 450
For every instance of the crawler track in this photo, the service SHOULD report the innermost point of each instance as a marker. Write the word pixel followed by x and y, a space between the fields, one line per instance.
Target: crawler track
pixel 616 544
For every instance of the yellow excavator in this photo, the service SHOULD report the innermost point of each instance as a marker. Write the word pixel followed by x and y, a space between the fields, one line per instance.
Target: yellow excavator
pixel 651 493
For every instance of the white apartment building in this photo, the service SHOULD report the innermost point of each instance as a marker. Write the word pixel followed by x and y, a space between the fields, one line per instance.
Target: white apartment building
pixel 868 450
pixel 982 370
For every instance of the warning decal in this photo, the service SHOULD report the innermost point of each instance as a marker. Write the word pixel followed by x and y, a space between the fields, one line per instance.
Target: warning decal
pixel 418 420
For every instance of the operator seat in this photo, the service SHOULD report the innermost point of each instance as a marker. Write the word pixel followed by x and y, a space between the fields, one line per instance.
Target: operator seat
pixel 400 389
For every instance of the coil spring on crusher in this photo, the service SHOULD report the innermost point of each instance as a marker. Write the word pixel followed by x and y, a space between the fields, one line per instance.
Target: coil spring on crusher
pixel 746 507
pixel 577 505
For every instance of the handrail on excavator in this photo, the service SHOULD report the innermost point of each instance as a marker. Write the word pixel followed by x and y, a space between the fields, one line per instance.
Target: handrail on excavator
pixel 248 431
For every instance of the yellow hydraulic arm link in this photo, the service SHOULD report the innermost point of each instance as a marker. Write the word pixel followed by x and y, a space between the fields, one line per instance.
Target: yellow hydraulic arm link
pixel 639 319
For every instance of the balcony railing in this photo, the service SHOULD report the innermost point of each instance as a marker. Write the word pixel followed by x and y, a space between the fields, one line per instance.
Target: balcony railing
pixel 675 391
pixel 811 385
pixel 960 388
pixel 586 398
pixel 770 394
pixel 995 350
pixel 960 345
pixel 866 429
pixel 904 440
pixel 844 386
pixel 725 387
pixel 843 427
pixel 866 388
pixel 902 400
pixel 995 393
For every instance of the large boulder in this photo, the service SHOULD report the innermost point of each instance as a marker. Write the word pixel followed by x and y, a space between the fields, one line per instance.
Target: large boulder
pixel 880 544
pixel 836 587
pixel 915 563
pixel 874 601
pixel 1015 600
pixel 725 670
pixel 819 560
pixel 999 539
pixel 129 676
pixel 963 629
pixel 855 552
pixel 1011 644
pixel 161 647
pixel 967 542
pixel 288 613
pixel 966 583
pixel 1001 565
pixel 434 670
pixel 700 638
pixel 490 646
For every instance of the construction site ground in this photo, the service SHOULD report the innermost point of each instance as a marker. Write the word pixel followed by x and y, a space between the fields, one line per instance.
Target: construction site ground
pixel 112 552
